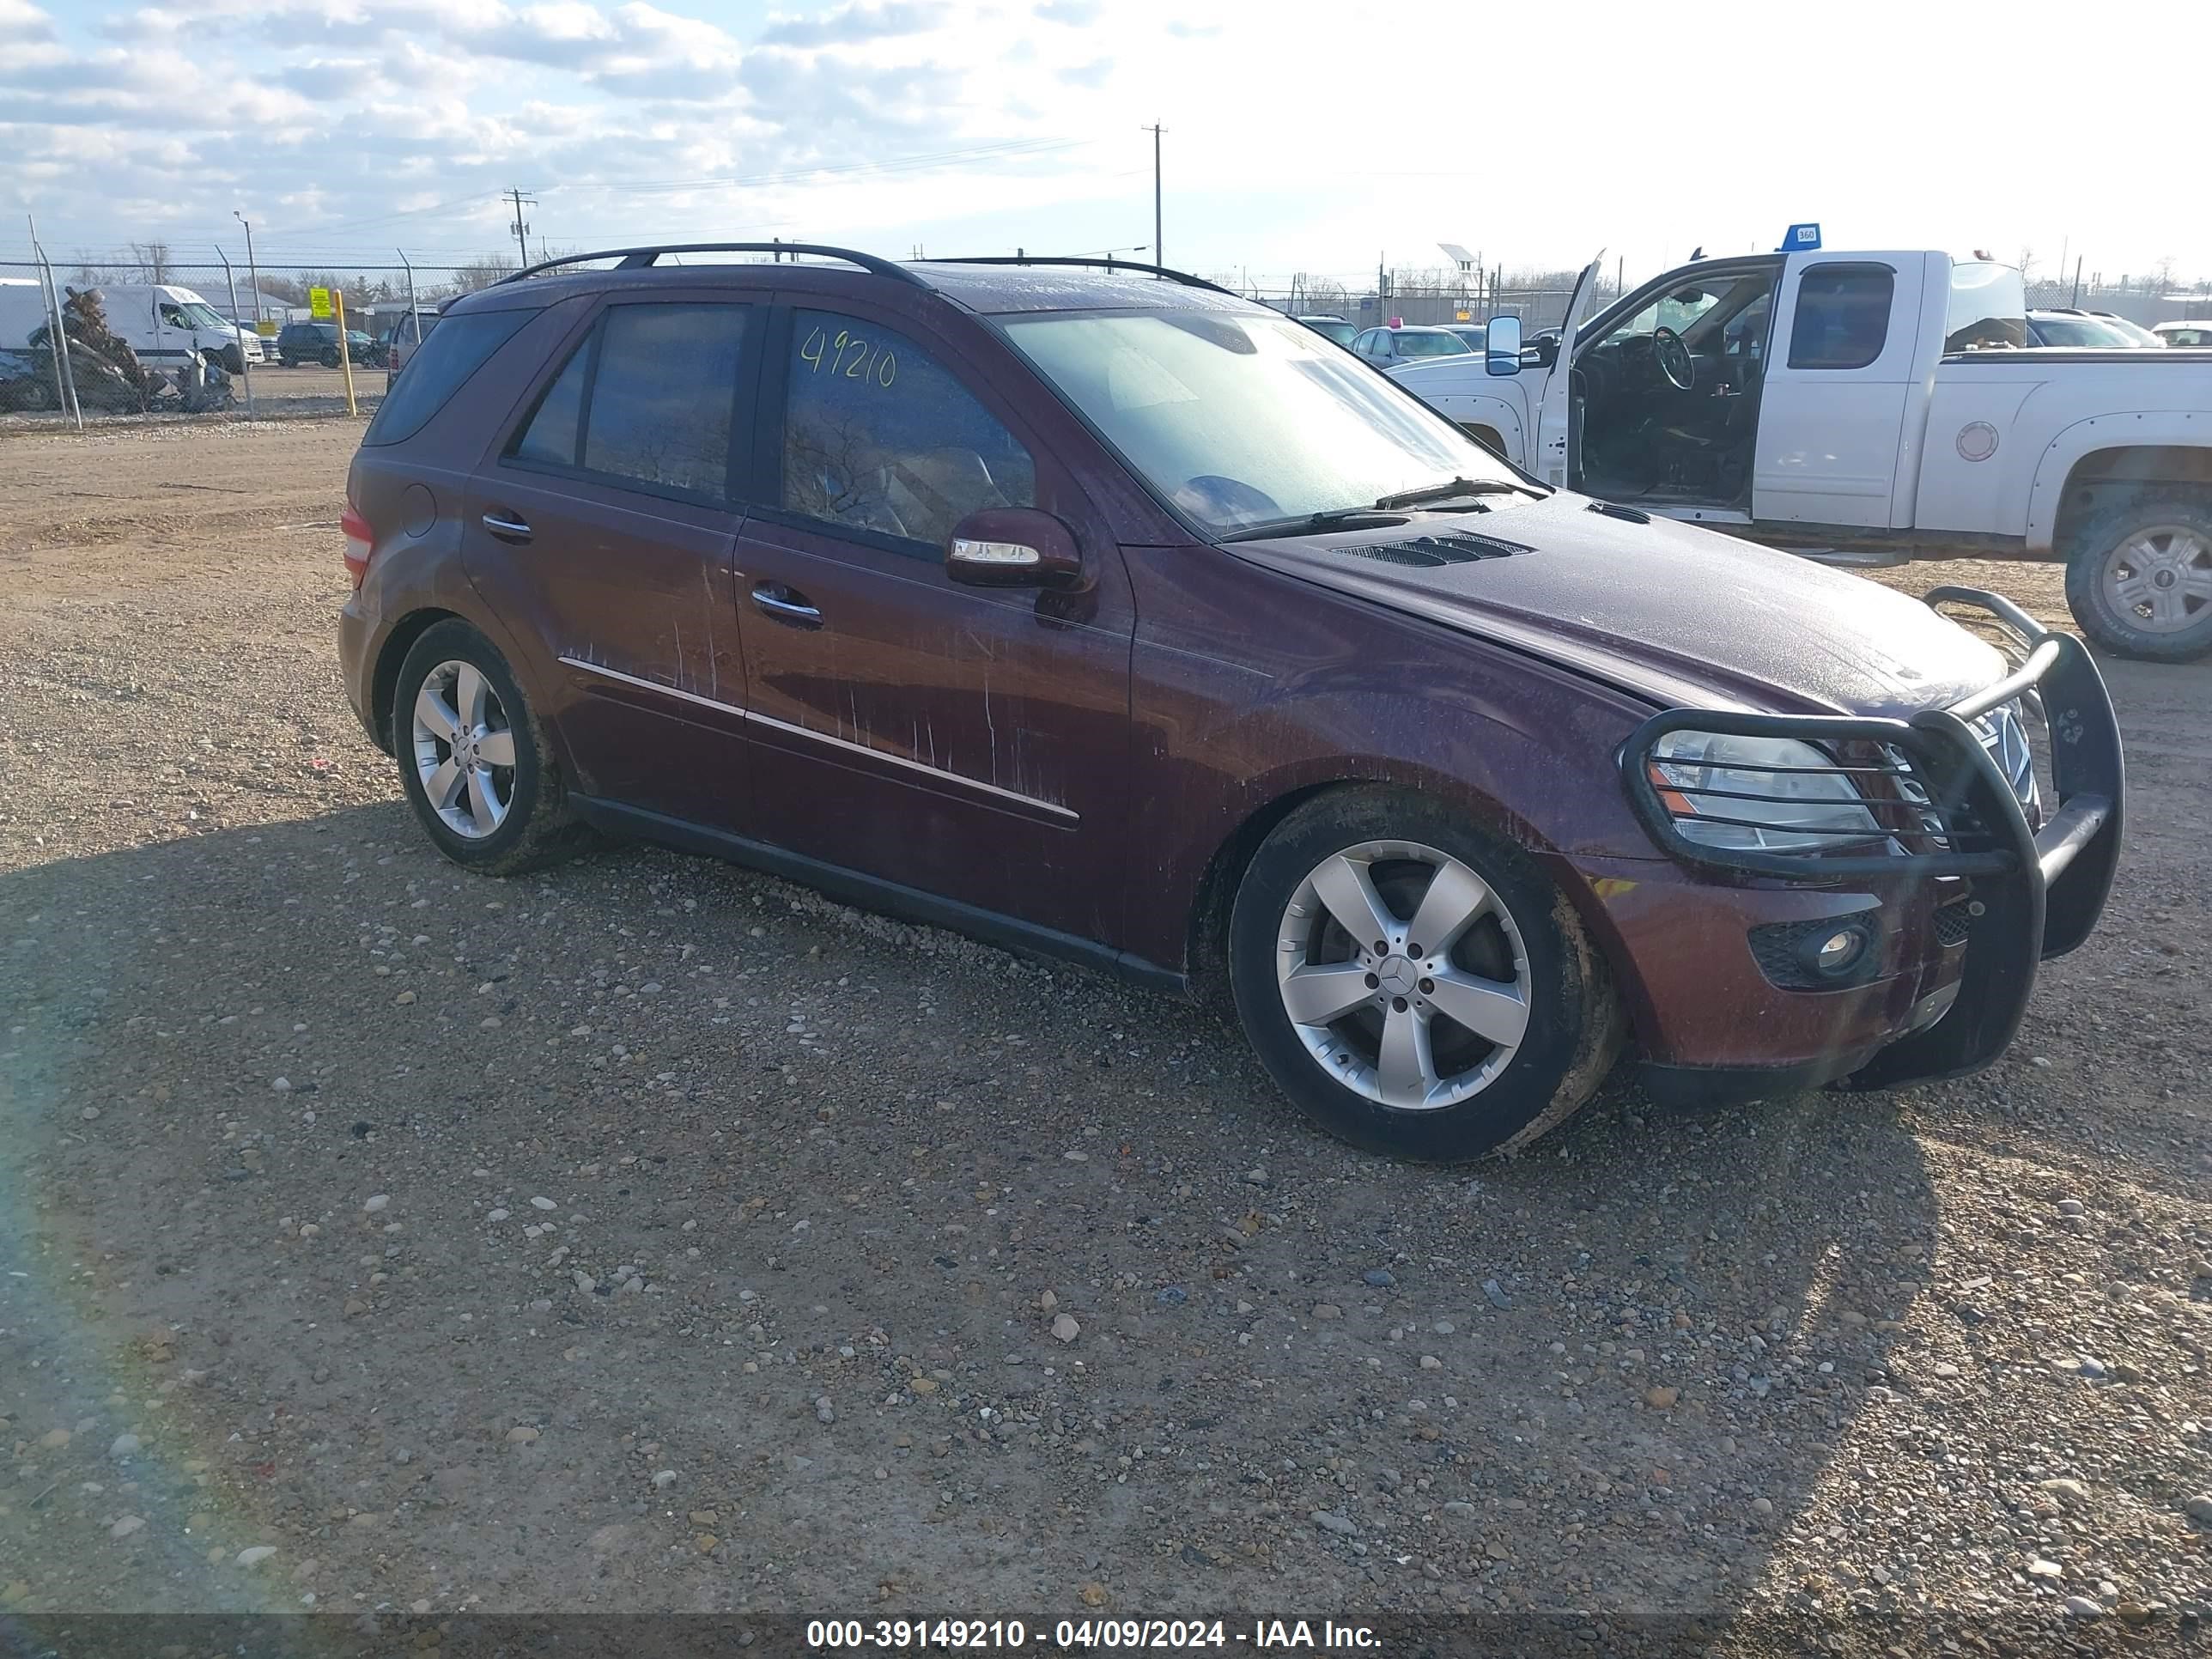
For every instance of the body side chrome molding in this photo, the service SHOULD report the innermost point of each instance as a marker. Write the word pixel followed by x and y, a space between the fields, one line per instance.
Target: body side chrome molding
pixel 773 724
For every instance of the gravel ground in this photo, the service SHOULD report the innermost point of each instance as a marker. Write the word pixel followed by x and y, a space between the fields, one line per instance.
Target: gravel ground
pixel 652 1235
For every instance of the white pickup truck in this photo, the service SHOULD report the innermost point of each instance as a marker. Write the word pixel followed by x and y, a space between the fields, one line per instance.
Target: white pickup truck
pixel 1870 407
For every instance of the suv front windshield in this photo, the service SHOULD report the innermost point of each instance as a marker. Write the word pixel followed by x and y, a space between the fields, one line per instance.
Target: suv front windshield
pixel 1241 419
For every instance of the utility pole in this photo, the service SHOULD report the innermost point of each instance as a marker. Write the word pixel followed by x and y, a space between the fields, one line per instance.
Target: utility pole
pixel 2076 300
pixel 253 271
pixel 521 227
pixel 1156 130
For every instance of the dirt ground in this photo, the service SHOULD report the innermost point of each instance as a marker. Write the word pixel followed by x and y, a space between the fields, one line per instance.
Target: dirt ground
pixel 652 1234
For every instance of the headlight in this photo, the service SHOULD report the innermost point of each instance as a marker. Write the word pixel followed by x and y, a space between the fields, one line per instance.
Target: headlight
pixel 1758 794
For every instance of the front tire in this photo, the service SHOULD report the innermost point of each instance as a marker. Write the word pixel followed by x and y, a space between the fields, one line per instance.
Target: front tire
pixel 1417 986
pixel 474 762
pixel 2139 579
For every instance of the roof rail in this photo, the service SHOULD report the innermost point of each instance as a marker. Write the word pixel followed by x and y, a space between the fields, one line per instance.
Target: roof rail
pixel 643 259
pixel 1182 277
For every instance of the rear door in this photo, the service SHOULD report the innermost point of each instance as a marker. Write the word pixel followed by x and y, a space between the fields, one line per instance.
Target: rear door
pixel 1838 373
pixel 601 529
pixel 968 742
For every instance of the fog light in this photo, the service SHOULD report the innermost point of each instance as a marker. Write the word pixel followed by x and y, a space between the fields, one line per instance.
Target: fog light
pixel 1838 952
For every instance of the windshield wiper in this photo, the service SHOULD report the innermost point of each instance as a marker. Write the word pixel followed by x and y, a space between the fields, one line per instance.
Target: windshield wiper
pixel 1453 490
pixel 1337 517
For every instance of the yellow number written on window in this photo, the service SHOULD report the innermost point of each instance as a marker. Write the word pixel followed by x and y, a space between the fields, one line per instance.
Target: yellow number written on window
pixel 851 355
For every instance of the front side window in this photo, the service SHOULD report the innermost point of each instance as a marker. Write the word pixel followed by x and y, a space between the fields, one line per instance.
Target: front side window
pixel 1243 418
pixel 647 399
pixel 1842 320
pixel 878 436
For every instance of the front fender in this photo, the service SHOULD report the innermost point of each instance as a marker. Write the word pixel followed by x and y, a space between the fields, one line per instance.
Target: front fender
pixel 1467 395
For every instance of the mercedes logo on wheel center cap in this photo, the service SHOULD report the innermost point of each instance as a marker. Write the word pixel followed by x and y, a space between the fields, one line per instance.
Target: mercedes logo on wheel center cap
pixel 1398 976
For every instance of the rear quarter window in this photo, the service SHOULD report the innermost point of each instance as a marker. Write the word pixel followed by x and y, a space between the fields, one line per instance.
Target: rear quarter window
pixel 458 347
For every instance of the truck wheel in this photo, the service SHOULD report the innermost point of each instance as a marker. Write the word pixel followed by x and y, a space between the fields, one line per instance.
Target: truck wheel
pixel 330 357
pixel 230 359
pixel 2139 579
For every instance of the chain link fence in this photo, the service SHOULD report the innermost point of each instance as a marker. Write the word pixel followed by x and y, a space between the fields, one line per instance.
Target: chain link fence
pixel 209 339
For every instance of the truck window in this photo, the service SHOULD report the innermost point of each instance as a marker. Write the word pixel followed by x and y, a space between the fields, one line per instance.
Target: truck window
pixel 1843 316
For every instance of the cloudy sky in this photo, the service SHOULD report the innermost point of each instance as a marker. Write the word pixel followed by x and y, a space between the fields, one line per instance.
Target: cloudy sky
pixel 1298 137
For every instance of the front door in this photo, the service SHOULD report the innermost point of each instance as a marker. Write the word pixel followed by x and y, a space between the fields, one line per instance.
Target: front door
pixel 1846 345
pixel 968 742
pixel 1668 384
pixel 602 526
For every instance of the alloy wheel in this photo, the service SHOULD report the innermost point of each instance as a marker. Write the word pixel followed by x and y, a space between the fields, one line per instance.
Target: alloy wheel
pixel 2161 578
pixel 463 747
pixel 1404 974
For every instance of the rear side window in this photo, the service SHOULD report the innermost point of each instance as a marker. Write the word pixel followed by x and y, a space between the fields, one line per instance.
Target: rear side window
pixel 648 399
pixel 1842 320
pixel 879 436
pixel 434 373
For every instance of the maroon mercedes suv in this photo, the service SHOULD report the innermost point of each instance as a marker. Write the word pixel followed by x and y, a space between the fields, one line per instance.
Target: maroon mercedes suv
pixel 1095 610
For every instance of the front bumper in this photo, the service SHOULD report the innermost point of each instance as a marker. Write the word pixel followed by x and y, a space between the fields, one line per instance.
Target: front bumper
pixel 2036 893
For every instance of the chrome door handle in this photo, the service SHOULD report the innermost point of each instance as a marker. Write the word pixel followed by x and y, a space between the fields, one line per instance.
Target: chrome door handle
pixel 506 528
pixel 783 603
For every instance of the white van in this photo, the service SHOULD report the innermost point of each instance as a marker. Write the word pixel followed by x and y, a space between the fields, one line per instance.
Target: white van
pixel 163 324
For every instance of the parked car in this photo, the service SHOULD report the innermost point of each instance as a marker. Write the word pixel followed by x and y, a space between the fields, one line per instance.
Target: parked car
pixel 318 343
pixel 2136 333
pixel 2063 327
pixel 1334 328
pixel 1123 620
pixel 27 381
pixel 1385 346
pixel 2190 334
pixel 397 337
pixel 1800 399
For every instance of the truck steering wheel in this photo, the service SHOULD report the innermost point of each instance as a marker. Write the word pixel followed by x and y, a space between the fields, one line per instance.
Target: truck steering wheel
pixel 1674 358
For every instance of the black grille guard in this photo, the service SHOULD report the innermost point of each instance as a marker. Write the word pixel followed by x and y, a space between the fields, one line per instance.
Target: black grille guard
pixel 2041 891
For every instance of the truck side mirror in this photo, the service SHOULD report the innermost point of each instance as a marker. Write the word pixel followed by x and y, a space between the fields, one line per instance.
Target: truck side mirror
pixel 1501 346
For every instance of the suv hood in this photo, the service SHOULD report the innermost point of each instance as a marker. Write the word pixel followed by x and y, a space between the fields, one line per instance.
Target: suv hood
pixel 1676 614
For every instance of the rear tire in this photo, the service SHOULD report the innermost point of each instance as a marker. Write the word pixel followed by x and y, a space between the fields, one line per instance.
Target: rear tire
pixel 1476 1040
pixel 2139 579
pixel 474 762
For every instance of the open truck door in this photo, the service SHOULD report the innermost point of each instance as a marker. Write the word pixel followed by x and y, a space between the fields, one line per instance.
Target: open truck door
pixel 1552 456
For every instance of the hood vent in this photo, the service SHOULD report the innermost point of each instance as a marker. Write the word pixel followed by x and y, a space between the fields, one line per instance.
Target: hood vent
pixel 1427 552
pixel 1615 510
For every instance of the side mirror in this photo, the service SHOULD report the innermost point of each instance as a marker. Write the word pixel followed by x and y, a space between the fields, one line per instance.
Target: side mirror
pixel 1013 547
pixel 1501 345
